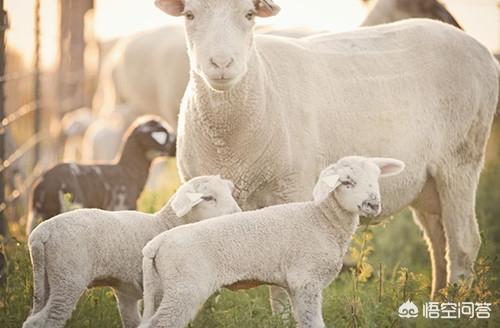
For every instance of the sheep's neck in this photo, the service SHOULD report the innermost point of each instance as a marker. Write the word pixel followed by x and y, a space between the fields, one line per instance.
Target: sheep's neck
pixel 343 223
pixel 167 217
pixel 232 122
pixel 243 106
pixel 134 161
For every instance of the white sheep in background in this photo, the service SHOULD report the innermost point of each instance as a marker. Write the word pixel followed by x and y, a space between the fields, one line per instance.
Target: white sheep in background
pixel 73 126
pixel 387 11
pixel 91 247
pixel 269 113
pixel 298 246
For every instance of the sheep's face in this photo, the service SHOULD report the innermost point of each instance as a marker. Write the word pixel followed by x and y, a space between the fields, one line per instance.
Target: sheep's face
pixel 205 197
pixel 219 35
pixel 354 183
pixel 154 137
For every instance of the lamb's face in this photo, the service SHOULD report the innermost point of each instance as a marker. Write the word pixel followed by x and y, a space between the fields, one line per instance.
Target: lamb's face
pixel 154 137
pixel 219 35
pixel 205 197
pixel 354 183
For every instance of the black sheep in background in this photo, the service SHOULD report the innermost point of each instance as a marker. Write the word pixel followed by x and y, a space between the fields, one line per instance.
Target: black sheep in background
pixel 111 186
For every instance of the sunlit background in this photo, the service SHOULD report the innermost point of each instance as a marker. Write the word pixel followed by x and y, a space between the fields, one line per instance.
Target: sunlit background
pixel 117 18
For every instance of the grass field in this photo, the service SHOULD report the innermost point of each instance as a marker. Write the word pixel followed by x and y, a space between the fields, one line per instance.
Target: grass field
pixel 391 266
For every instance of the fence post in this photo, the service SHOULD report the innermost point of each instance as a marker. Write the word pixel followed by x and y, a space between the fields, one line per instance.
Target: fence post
pixel 37 84
pixel 3 27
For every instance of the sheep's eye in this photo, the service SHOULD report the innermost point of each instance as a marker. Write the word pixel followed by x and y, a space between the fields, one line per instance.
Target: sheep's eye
pixel 250 15
pixel 208 198
pixel 189 15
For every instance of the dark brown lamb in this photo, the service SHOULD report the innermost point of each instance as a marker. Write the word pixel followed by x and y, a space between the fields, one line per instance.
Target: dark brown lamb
pixel 110 186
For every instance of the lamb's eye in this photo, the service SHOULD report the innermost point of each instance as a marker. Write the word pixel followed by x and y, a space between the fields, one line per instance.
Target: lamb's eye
pixel 250 15
pixel 189 15
pixel 347 183
pixel 208 198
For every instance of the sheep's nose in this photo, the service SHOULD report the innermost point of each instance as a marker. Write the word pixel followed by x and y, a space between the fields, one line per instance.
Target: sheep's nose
pixel 221 61
pixel 371 207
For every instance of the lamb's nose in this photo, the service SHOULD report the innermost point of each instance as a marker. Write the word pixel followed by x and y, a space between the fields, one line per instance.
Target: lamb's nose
pixel 371 206
pixel 221 61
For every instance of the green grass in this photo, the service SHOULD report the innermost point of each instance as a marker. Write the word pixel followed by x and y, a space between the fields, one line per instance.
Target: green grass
pixel 391 266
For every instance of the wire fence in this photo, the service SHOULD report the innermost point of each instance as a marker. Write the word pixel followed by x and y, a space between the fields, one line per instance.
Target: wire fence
pixel 32 144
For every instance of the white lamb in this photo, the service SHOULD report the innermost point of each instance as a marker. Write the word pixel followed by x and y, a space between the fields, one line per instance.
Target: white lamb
pixel 269 113
pixel 298 246
pixel 91 247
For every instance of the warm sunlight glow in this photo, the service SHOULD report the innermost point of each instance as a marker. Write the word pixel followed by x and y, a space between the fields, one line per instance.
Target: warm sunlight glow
pixel 116 18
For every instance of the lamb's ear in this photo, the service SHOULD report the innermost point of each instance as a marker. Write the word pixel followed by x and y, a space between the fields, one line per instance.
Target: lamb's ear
pixel 230 184
pixel 160 137
pixel 324 187
pixel 389 166
pixel 171 7
pixel 266 8
pixel 183 203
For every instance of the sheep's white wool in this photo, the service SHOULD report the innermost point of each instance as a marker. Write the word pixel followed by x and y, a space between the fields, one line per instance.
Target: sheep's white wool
pixel 390 90
pixel 298 246
pixel 92 247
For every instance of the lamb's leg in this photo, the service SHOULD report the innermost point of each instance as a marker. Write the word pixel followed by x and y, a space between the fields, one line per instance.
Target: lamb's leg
pixel 129 309
pixel 61 304
pixel 178 307
pixel 427 214
pixel 306 304
pixel 457 190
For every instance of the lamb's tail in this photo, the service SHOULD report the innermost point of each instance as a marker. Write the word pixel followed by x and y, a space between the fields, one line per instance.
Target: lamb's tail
pixel 152 285
pixel 32 215
pixel 40 280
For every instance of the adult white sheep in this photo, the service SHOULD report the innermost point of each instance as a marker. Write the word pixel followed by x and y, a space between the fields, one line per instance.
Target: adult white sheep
pixel 128 88
pixel 387 11
pixel 270 112
pixel 298 246
pixel 91 247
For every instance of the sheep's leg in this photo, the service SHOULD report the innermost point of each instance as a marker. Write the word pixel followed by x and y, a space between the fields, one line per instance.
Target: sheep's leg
pixel 457 191
pixel 129 309
pixel 279 300
pixel 61 303
pixel 427 214
pixel 432 227
pixel 306 304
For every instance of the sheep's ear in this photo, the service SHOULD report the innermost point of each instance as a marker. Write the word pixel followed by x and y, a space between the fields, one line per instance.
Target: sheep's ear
pixel 171 7
pixel 324 187
pixel 183 203
pixel 266 8
pixel 389 166
pixel 160 137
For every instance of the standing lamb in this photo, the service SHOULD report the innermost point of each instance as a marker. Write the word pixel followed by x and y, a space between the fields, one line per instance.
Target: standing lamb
pixel 270 121
pixel 298 246
pixel 113 186
pixel 91 247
